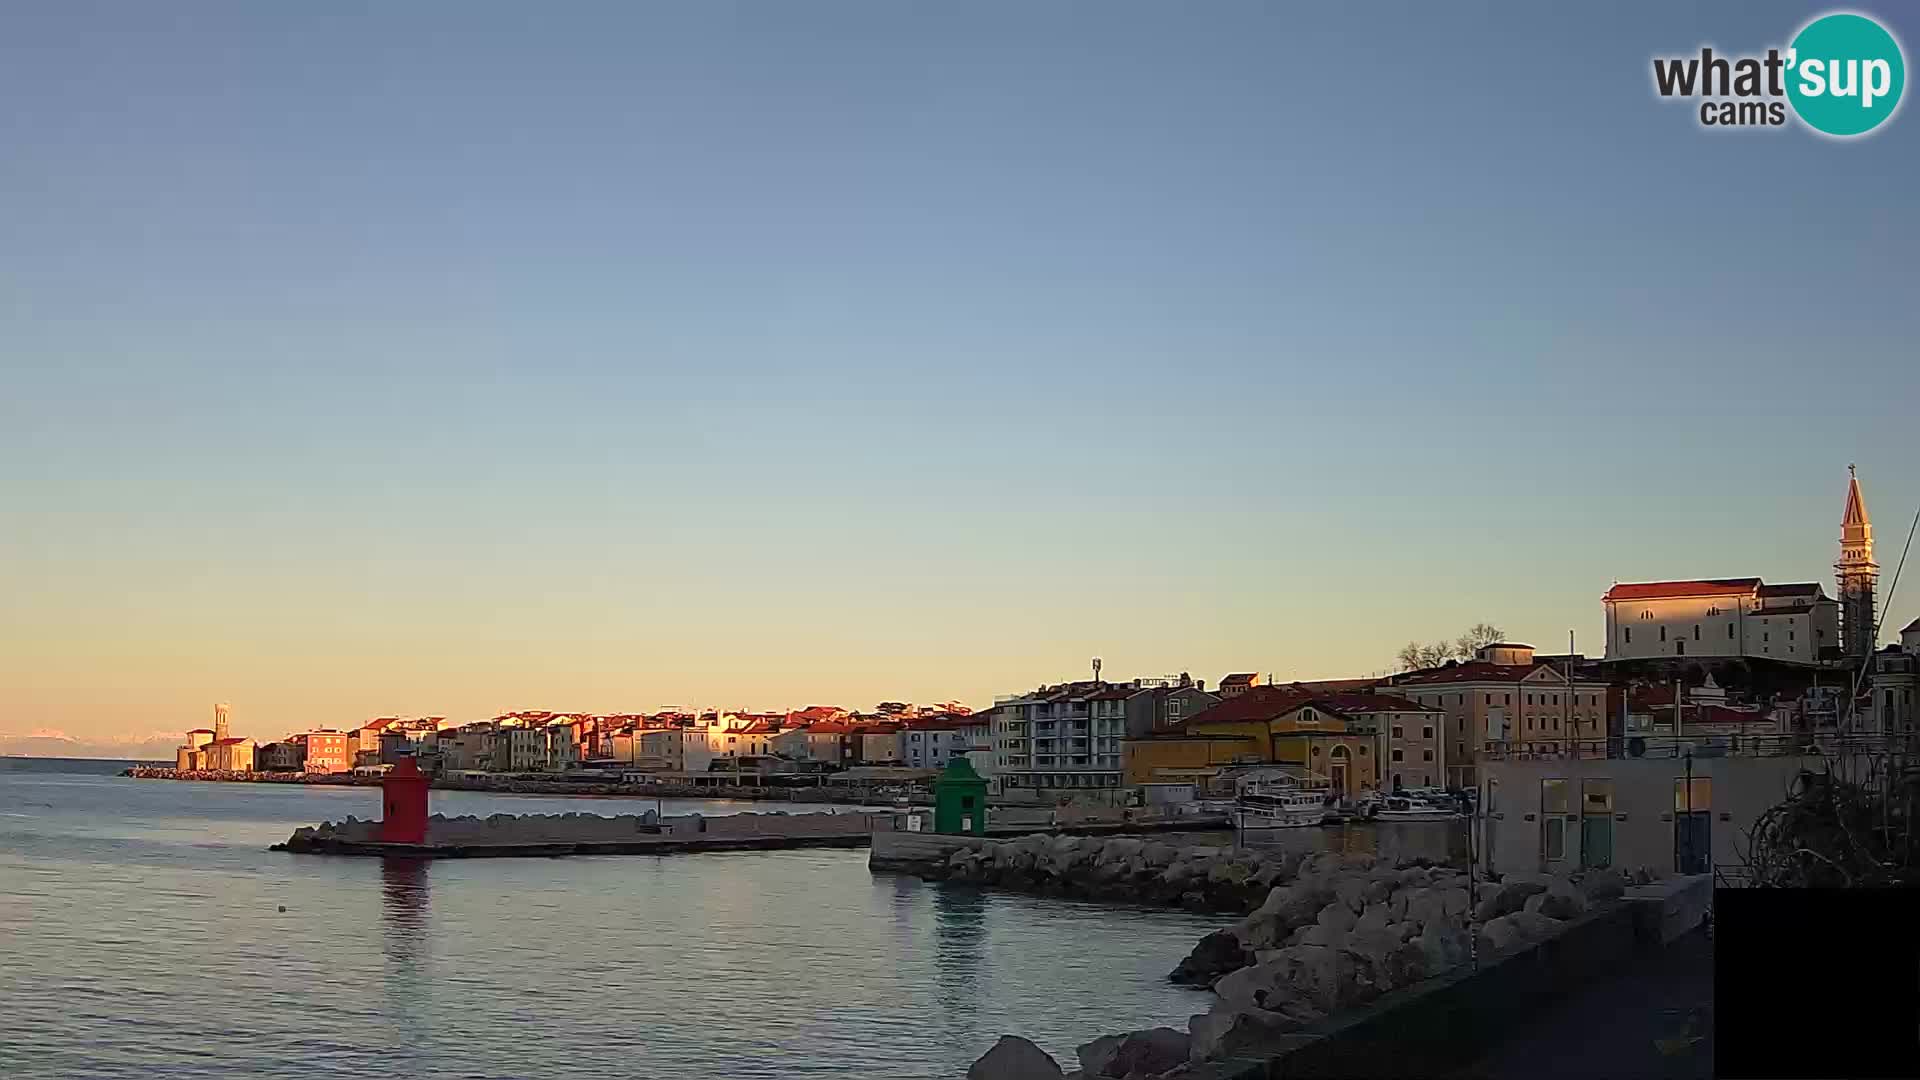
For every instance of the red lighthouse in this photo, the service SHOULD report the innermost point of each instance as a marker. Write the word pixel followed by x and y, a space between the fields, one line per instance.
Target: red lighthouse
pixel 404 791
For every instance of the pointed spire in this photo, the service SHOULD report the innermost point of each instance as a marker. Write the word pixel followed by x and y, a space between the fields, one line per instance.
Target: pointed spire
pixel 1855 515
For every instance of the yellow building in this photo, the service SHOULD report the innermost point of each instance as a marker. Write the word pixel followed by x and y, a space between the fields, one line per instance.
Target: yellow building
pixel 1174 756
pixel 1263 725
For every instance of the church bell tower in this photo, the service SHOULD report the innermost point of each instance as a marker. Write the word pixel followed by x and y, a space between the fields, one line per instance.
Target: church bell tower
pixel 1856 574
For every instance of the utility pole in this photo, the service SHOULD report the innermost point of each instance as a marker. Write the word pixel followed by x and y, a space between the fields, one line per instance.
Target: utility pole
pixel 1572 735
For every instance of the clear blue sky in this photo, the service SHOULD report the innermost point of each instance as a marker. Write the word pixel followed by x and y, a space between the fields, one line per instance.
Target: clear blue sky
pixel 457 357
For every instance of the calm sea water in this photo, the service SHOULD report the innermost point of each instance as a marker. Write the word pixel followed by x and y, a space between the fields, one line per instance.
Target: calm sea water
pixel 141 935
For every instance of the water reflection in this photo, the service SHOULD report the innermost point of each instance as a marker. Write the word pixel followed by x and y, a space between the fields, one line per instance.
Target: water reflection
pixel 404 921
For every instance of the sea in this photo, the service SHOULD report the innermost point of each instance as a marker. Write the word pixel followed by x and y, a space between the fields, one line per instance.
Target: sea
pixel 147 931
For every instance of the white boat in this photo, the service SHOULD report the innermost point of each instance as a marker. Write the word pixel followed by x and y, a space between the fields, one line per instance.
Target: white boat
pixel 1278 807
pixel 1413 808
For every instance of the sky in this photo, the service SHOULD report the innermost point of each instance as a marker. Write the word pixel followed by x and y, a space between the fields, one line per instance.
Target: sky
pixel 452 358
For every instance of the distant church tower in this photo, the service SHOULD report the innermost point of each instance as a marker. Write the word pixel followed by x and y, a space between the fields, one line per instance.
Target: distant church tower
pixel 220 722
pixel 1857 574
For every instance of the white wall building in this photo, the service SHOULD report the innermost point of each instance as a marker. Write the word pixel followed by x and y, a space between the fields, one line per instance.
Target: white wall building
pixel 931 742
pixel 1723 618
pixel 1061 737
pixel 674 750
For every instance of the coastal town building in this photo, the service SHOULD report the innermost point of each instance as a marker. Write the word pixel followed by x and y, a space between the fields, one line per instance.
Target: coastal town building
pixel 326 751
pixel 1505 698
pixel 1746 618
pixel 1673 809
pixel 930 742
pixel 1239 683
pixel 1061 737
pixel 1721 618
pixel 285 755
pixel 1894 705
pixel 228 755
pixel 673 749
pixel 189 754
pixel 1410 746
pixel 1162 705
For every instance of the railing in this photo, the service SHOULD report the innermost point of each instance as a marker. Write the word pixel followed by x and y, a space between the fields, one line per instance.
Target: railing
pixel 1699 746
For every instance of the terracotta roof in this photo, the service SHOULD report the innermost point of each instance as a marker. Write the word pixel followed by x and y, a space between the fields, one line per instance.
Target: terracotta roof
pixel 209 731
pixel 1244 678
pixel 1259 703
pixel 1912 627
pixel 1505 645
pixel 1337 685
pixel 1654 590
pixel 943 723
pixel 1116 694
pixel 1799 588
pixel 227 742
pixel 1371 703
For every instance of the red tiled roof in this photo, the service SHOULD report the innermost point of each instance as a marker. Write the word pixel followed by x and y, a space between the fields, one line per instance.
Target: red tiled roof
pixel 1244 678
pixel 943 723
pixel 226 742
pixel 1370 703
pixel 1338 685
pixel 1801 588
pixel 1655 590
pixel 1259 703
pixel 209 731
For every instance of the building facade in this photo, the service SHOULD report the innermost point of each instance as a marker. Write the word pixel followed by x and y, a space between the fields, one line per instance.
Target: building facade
pixel 1503 697
pixel 1063 737
pixel 931 742
pixel 1721 618
pixel 327 751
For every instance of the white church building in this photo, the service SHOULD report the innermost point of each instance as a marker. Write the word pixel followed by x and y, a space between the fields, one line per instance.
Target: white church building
pixel 1746 617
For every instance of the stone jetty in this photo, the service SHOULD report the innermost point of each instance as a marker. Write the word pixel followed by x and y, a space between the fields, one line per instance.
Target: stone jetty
pixel 1320 935
pixel 592 834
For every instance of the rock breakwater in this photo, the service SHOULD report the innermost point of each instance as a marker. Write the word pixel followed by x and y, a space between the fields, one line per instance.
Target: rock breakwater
pixel 1321 935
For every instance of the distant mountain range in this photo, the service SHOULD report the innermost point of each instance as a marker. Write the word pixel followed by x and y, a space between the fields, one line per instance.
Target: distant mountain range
pixel 49 742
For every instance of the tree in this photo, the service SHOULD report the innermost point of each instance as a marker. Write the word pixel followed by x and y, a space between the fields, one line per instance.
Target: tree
pixel 1413 655
pixel 1477 637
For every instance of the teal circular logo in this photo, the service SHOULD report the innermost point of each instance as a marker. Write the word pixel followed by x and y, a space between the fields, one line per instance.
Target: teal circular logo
pixel 1845 74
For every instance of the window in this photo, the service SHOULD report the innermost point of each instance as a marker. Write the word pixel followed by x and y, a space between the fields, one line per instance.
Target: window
pixel 1506 699
pixel 1426 755
pixel 1426 732
pixel 1553 796
pixel 1529 699
pixel 1702 795
pixel 1729 631
pixel 1696 631
pixel 1396 731
pixel 1628 630
pixel 1663 633
pixel 1316 751
pixel 1363 749
pixel 1397 754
